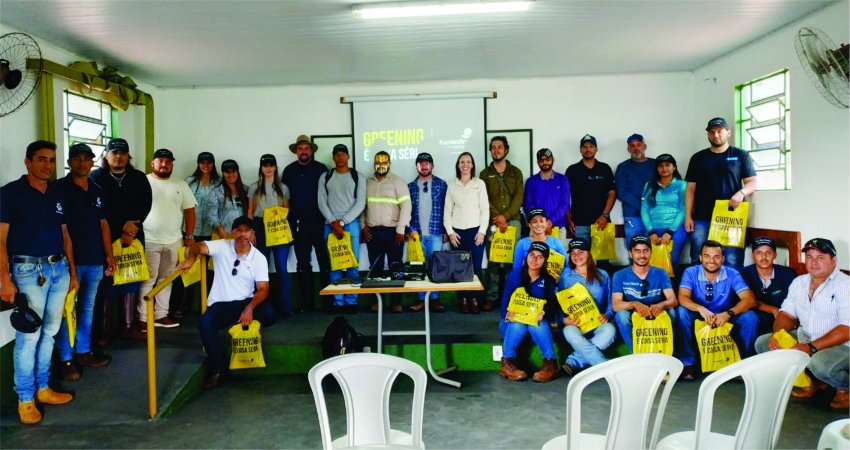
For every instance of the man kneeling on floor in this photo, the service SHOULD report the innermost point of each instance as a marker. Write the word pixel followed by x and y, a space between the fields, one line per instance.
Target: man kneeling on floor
pixel 240 287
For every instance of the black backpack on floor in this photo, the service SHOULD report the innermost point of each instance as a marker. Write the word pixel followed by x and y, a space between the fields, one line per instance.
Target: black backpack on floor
pixel 340 339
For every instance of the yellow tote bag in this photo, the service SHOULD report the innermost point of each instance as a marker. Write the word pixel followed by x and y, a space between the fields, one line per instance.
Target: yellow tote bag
pixel 525 307
pixel 342 256
pixel 603 242
pixel 787 341
pixel 130 263
pixel 555 232
pixel 555 264
pixel 502 246
pixel 652 335
pixel 70 315
pixel 729 227
pixel 716 347
pixel 415 252
pixel 246 346
pixel 577 303
pixel 277 227
pixel 193 275
pixel 661 257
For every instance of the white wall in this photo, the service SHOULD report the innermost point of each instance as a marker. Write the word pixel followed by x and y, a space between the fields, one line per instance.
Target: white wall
pixel 818 205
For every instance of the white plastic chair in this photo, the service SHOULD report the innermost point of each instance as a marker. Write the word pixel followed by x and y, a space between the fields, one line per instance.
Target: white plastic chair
pixel 768 379
pixel 634 381
pixel 366 380
pixel 835 436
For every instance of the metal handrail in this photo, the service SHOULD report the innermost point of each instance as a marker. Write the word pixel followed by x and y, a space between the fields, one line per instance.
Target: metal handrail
pixel 152 407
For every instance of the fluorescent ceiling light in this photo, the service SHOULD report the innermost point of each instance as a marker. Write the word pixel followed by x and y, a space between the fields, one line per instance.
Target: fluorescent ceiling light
pixel 419 9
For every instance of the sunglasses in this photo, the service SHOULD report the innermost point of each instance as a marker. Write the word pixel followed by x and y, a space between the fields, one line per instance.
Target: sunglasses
pixel 235 265
pixel 644 288
pixel 709 292
pixel 425 187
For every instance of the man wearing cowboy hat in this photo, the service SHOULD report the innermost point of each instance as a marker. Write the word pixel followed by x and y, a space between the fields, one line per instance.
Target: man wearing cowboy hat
pixel 305 218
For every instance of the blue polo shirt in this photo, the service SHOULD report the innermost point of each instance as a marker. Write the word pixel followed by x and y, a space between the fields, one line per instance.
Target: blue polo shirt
pixel 35 219
pixel 725 288
pixel 538 289
pixel 84 211
pixel 776 292
pixel 600 291
pixel 630 285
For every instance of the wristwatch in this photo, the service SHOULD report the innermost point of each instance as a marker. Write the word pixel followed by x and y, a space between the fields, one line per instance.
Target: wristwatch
pixel 812 348
pixel 606 216
pixel 341 223
pixel 730 312
pixel 189 236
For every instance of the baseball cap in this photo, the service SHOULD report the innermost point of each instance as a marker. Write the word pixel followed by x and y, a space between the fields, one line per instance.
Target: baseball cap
pixel 118 145
pixel 23 318
pixel 587 138
pixel 242 220
pixel 268 158
pixel 717 122
pixel 824 245
pixel 163 153
pixel 424 157
pixel 229 164
pixel 637 240
pixel 544 153
pixel 79 148
pixel 540 247
pixel 633 137
pixel 579 243
pixel 537 212
pixel 206 156
pixel 763 240
pixel 339 148
pixel 665 157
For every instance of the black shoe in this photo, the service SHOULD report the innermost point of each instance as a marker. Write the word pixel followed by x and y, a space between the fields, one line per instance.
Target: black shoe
pixel 349 309
pixel 335 309
pixel 92 359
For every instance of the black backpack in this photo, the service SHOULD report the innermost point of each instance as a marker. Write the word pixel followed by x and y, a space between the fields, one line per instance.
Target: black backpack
pixel 340 339
pixel 353 173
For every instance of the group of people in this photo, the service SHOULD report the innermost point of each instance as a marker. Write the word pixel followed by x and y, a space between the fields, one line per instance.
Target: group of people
pixel 60 236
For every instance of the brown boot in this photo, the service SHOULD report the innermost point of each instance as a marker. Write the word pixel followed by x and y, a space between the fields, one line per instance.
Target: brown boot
pixel 48 396
pixel 28 413
pixel 841 400
pixel 547 373
pixel 510 371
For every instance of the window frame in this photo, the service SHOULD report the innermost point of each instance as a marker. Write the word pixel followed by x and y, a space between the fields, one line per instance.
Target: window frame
pixel 109 132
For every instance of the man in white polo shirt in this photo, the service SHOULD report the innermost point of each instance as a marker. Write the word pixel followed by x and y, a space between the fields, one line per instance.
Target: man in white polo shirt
pixel 239 289
pixel 817 313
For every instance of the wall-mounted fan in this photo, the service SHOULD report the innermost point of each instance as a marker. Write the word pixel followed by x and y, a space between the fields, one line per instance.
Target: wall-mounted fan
pixel 827 65
pixel 17 81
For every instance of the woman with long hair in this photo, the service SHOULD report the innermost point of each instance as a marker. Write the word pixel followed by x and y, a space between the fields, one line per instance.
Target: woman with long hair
pixel 227 201
pixel 465 217
pixel 532 280
pixel 662 207
pixel 587 348
pixel 269 192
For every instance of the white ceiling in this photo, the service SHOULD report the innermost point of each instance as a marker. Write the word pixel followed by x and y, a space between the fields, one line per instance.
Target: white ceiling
pixel 231 43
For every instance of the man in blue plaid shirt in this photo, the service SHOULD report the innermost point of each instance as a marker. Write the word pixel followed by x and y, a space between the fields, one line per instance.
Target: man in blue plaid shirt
pixel 428 194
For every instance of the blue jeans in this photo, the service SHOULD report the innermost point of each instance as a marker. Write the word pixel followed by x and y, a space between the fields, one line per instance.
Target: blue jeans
pixel 679 236
pixel 623 319
pixel 744 332
pixel 632 226
pixel 224 315
pixel 732 257
pixel 33 350
pixel 280 253
pixel 515 332
pixel 583 231
pixel 588 352
pixel 353 272
pixel 431 244
pixel 89 277
pixel 830 365
pixel 383 244
pixel 467 243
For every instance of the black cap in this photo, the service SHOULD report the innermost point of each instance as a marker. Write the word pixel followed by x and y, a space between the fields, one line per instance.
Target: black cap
pixel 242 220
pixel 665 158
pixel 544 153
pixel 579 243
pixel 540 247
pixel 229 164
pixel 268 158
pixel 824 245
pixel 637 240
pixel 424 157
pixel 339 148
pixel 23 318
pixel 717 122
pixel 537 212
pixel 79 148
pixel 118 145
pixel 587 138
pixel 763 240
pixel 163 153
pixel 206 156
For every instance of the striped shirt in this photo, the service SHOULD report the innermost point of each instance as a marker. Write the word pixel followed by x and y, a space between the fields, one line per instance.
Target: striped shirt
pixel 387 203
pixel 828 308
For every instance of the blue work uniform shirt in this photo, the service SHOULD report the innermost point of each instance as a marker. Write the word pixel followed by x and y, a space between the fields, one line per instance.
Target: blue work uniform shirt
pixel 776 292
pixel 83 212
pixel 725 288
pixel 630 285
pixel 35 219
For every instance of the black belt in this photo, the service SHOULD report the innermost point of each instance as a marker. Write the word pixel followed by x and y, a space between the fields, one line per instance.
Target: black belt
pixel 37 259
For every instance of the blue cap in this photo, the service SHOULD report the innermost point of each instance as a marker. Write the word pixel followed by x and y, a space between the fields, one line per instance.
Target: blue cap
pixel 633 137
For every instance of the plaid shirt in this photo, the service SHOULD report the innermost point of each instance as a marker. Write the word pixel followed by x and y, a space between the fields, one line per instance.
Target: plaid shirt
pixel 438 190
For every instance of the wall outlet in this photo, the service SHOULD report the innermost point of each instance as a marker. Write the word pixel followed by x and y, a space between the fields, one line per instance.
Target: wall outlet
pixel 367 349
pixel 497 353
